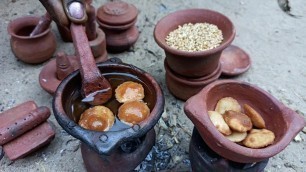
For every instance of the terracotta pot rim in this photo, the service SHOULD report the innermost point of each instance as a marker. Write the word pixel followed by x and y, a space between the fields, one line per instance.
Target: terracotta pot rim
pixel 221 142
pixel 193 81
pixel 196 54
pixel 22 22
pixel 116 27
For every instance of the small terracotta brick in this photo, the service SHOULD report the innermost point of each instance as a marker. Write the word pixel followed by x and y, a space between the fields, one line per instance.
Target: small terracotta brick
pixel 29 142
pixel 15 122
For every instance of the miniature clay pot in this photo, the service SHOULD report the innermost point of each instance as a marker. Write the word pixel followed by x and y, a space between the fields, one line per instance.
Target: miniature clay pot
pixel 199 63
pixel 68 106
pixel 98 46
pixel 202 158
pixel 284 122
pixel 117 19
pixel 36 49
pixel 126 159
pixel 184 87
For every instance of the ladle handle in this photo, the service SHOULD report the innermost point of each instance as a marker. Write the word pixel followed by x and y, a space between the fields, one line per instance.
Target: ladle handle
pixel 88 68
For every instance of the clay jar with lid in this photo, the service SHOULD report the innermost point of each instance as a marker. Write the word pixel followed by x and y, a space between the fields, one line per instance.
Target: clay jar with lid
pixel 117 19
pixel 199 63
pixel 35 49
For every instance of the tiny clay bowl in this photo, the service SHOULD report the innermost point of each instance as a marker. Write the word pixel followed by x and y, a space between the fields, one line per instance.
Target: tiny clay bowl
pixel 33 50
pixel 68 106
pixel 198 63
pixel 184 87
pixel 284 122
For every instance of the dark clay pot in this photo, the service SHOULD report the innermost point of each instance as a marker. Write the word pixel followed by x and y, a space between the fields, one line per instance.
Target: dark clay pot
pixel 67 107
pixel 184 87
pixel 36 49
pixel 193 64
pixel 284 122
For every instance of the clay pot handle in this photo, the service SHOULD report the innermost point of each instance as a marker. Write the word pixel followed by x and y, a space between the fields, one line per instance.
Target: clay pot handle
pixel 295 122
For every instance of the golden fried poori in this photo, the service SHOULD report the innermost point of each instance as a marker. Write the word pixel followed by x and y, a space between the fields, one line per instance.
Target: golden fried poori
pixel 237 121
pixel 133 112
pixel 227 103
pixel 129 91
pixel 259 138
pixel 218 121
pixel 255 117
pixel 97 118
pixel 237 136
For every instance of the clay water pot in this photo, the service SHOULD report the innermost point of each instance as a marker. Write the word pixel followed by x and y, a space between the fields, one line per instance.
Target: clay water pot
pixel 117 19
pixel 284 122
pixel 68 106
pixel 36 49
pixel 199 63
pixel 184 87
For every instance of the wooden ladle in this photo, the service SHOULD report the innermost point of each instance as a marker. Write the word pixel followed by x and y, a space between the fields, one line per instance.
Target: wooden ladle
pixel 95 87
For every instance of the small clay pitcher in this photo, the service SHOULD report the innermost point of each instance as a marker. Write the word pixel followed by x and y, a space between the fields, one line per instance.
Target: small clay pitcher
pixel 35 49
pixel 199 63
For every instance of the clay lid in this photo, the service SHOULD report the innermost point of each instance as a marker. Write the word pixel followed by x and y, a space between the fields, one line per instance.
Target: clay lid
pixel 117 13
pixel 234 61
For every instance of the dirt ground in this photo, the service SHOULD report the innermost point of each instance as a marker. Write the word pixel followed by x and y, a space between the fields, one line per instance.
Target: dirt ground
pixel 274 40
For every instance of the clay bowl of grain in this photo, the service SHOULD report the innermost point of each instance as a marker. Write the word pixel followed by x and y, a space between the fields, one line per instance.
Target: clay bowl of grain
pixel 282 121
pixel 195 49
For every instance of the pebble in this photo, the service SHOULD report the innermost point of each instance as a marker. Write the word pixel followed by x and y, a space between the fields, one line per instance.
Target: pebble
pixel 298 138
pixel 304 130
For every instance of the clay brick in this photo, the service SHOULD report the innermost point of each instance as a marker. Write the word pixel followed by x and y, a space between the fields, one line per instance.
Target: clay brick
pixel 15 122
pixel 29 142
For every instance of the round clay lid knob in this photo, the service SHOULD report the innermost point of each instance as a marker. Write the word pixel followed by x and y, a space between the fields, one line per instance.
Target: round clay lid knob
pixel 117 13
pixel 234 61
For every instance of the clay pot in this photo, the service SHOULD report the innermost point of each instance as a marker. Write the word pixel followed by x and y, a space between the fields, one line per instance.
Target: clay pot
pixel 193 64
pixel 284 122
pixel 117 19
pixel 184 87
pixel 36 49
pixel 202 158
pixel 68 106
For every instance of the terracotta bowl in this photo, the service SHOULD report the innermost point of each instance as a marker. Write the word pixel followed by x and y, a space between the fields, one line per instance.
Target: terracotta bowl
pixel 284 122
pixel 184 87
pixel 193 64
pixel 67 106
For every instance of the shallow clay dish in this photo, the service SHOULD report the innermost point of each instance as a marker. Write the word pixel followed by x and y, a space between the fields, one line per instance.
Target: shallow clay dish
pixel 284 122
pixel 234 61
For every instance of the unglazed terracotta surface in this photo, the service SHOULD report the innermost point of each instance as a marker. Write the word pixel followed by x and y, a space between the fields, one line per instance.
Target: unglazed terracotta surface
pixel 117 19
pixel 284 122
pixel 105 142
pixel 35 49
pixel 193 64
pixel 185 87
pixel 234 61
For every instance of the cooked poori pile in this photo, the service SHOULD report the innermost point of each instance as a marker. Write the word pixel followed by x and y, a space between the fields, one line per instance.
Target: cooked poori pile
pixel 132 111
pixel 244 126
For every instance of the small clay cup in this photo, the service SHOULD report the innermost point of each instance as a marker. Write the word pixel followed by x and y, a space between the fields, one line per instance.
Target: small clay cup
pixel 199 63
pixel 284 122
pixel 184 87
pixel 67 106
pixel 36 49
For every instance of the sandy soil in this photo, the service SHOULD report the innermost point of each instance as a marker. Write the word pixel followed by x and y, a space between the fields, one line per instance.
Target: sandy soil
pixel 274 40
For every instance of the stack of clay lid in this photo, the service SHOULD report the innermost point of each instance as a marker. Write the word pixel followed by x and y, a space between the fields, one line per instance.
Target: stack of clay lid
pixel 24 129
pixel 117 19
